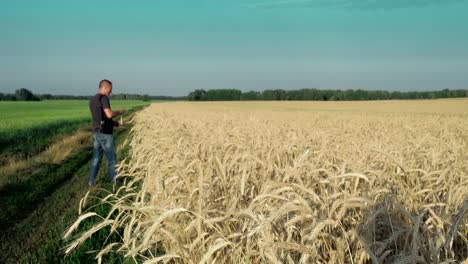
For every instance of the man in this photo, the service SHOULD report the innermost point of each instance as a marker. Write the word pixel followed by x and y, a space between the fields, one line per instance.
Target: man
pixel 103 126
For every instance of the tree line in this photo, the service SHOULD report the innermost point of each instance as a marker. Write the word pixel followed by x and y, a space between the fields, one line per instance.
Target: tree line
pixel 267 95
pixel 24 94
pixel 20 95
pixel 318 95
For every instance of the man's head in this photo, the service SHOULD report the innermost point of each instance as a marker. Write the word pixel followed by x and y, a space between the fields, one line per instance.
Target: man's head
pixel 105 87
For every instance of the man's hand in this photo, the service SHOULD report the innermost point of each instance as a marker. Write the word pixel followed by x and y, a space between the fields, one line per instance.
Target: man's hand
pixel 110 114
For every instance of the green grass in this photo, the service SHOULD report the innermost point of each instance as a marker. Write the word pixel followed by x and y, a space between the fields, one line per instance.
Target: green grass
pixel 19 198
pixel 38 209
pixel 27 128
pixel 23 115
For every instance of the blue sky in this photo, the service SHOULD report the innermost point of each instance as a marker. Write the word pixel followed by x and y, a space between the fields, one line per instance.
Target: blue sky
pixel 173 47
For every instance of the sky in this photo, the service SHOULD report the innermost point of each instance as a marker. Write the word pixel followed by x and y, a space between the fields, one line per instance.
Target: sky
pixel 172 47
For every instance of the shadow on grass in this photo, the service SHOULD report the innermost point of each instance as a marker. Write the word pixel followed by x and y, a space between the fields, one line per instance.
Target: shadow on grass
pixel 24 143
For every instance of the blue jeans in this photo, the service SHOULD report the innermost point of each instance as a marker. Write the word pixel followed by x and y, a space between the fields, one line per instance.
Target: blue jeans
pixel 103 143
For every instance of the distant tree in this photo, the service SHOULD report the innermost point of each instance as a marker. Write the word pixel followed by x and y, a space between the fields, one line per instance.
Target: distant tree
pixel 251 95
pixel 272 95
pixel 9 97
pixel 294 95
pixel 146 98
pixel 223 95
pixel 197 95
pixel 320 95
pixel 213 95
pixel 25 95
pixel 46 96
pixel 281 95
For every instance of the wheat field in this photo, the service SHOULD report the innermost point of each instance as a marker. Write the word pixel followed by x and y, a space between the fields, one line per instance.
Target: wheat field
pixel 292 182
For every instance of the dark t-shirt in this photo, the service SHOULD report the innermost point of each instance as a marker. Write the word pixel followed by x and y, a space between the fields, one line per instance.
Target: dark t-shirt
pixel 97 104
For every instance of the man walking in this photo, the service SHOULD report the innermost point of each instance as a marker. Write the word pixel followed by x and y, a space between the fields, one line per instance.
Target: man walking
pixel 103 126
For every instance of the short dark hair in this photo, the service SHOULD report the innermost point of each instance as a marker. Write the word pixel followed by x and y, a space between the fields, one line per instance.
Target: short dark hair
pixel 103 81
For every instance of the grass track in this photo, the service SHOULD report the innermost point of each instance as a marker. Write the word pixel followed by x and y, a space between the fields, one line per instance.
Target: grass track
pixel 18 199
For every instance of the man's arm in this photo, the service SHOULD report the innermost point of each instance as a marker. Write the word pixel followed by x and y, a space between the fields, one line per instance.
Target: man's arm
pixel 110 114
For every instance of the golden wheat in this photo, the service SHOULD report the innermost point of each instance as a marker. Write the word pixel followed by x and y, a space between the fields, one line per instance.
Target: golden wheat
pixel 294 182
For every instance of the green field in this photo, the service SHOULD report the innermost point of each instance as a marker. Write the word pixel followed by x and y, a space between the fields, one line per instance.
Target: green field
pixel 26 128
pixel 23 115
pixel 38 201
